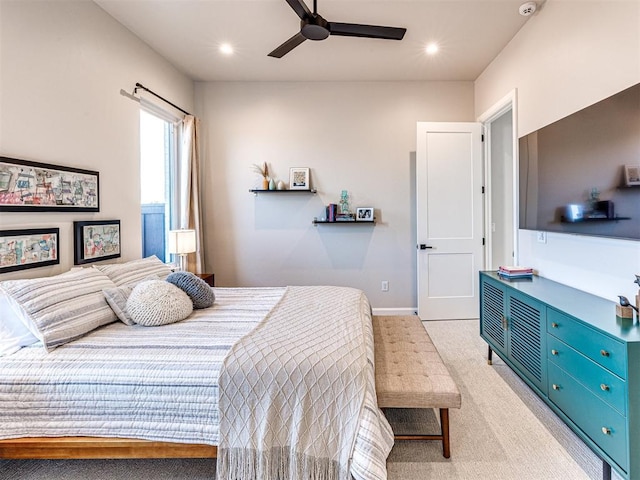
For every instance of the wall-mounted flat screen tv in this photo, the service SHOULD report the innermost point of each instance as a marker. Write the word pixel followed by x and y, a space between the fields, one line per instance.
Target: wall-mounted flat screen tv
pixel 578 175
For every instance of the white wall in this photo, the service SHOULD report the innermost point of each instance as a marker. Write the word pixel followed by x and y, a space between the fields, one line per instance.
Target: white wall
pixel 568 56
pixel 62 67
pixel 354 136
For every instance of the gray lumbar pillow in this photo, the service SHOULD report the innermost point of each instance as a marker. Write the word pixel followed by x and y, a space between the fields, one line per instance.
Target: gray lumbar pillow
pixel 156 302
pixel 198 290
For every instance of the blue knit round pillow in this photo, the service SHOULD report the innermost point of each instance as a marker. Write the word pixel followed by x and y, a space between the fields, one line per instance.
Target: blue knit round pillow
pixel 198 290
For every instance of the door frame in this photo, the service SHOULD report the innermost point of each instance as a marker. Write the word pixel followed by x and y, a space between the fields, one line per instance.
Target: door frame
pixel 508 102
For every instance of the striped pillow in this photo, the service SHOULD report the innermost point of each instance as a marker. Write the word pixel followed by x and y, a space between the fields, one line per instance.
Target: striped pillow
pixel 63 307
pixel 135 270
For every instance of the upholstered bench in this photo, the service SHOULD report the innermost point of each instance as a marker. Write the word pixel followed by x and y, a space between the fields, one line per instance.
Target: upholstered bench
pixel 411 374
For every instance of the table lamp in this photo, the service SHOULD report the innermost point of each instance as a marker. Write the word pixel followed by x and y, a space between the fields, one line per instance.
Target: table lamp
pixel 181 243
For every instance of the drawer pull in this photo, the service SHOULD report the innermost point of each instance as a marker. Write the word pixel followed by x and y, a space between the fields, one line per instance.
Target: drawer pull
pixel 555 387
pixel 554 352
pixel 604 388
pixel 606 431
pixel 604 353
pixel 554 325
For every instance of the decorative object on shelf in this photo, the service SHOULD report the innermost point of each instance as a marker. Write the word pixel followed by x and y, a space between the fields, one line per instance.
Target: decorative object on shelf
pixel 344 202
pixel 95 240
pixel 27 186
pixel 364 214
pixel 332 211
pixel 299 178
pixel 181 243
pixel 263 171
pixel 631 175
pixel 345 217
pixel 28 248
pixel 280 185
pixel 272 184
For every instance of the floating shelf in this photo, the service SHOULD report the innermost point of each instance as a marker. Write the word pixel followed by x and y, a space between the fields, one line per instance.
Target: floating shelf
pixel 256 191
pixel 325 222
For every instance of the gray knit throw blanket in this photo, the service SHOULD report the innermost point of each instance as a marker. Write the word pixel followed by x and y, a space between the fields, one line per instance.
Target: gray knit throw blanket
pixel 292 391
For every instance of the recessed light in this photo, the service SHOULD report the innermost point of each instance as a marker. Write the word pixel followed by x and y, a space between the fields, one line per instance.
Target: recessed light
pixel 432 48
pixel 226 49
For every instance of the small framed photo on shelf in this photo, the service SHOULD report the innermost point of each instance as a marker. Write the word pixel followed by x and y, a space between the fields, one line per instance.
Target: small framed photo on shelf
pixel 29 248
pixel 299 178
pixel 95 240
pixel 364 214
pixel 631 175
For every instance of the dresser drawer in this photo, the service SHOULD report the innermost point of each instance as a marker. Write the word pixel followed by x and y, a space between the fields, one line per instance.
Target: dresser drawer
pixel 600 381
pixel 600 422
pixel 598 347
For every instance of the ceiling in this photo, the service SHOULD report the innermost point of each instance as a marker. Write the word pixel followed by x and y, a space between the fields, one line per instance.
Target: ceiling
pixel 188 33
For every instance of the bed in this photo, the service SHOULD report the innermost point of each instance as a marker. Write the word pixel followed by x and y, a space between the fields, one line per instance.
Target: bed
pixel 123 391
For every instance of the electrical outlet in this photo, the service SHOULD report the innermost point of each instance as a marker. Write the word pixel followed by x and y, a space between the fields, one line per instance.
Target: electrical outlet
pixel 542 237
pixel 385 285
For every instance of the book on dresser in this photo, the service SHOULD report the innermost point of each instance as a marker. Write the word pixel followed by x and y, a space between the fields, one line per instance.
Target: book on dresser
pixel 509 271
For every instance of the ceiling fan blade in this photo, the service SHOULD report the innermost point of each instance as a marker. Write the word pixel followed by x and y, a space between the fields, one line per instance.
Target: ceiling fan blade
pixel 287 46
pixel 300 8
pixel 368 31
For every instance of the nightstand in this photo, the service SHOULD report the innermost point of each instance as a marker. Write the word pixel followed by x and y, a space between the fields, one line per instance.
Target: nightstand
pixel 207 277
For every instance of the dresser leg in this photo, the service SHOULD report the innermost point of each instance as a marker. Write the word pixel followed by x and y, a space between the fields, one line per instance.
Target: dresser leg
pixel 489 356
pixel 606 470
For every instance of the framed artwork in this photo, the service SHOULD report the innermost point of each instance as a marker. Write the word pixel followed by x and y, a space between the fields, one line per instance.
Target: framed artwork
pixel 364 214
pixel 30 248
pixel 95 240
pixel 27 186
pixel 299 178
pixel 631 175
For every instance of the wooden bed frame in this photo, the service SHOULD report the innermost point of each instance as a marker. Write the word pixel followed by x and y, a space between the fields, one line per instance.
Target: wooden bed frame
pixel 97 447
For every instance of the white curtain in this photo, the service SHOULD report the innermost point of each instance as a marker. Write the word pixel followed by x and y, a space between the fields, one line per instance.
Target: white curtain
pixel 189 213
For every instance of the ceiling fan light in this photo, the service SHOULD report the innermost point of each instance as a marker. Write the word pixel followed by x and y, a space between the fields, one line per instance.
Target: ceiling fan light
pixel 432 48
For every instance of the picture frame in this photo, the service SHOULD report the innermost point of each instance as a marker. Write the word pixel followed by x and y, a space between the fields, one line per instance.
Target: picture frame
pixel 364 214
pixel 631 175
pixel 299 178
pixel 95 240
pixel 27 186
pixel 28 248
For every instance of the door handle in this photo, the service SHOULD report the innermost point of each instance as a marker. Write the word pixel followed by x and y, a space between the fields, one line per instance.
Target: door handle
pixel 423 246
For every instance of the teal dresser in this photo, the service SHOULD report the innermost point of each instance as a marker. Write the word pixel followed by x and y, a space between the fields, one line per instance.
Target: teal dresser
pixel 573 351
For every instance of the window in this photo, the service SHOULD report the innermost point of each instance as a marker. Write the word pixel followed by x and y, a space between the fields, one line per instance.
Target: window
pixel 158 164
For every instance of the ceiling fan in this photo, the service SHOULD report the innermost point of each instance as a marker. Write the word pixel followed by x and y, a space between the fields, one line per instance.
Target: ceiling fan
pixel 314 27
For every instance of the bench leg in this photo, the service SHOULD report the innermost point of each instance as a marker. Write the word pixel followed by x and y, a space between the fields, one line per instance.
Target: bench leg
pixel 444 422
pixel 444 435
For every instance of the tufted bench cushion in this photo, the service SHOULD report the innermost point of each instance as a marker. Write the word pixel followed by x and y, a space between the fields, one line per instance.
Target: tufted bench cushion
pixel 410 372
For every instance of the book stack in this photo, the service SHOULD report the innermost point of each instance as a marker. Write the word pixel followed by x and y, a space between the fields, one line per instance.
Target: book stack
pixel 515 272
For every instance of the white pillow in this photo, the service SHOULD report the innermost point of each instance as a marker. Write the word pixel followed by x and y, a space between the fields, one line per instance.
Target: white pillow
pixel 63 307
pixel 155 302
pixel 14 333
pixel 135 270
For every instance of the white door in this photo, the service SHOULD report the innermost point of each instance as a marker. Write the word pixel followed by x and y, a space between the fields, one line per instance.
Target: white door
pixel 450 219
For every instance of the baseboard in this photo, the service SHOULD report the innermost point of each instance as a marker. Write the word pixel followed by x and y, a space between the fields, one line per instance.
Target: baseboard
pixel 394 311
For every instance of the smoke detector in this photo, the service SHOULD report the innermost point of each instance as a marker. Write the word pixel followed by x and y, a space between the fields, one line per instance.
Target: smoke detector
pixel 527 9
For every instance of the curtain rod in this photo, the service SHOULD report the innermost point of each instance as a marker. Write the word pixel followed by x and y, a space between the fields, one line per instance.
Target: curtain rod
pixel 139 85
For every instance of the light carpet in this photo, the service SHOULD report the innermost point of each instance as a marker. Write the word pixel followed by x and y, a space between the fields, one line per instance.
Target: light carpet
pixel 503 431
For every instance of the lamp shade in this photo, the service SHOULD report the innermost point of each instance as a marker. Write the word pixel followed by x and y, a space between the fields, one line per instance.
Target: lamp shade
pixel 182 242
